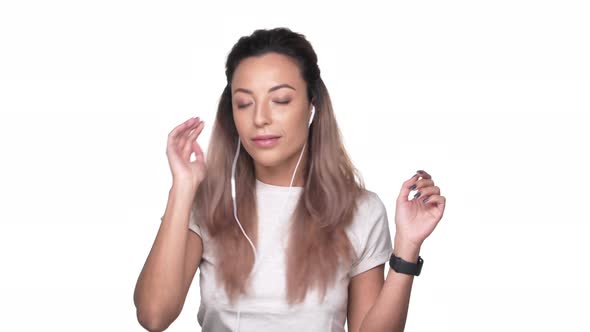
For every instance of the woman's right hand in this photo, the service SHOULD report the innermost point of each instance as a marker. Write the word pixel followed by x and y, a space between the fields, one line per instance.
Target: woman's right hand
pixel 182 142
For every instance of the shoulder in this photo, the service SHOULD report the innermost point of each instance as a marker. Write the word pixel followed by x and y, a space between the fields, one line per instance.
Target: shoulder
pixel 370 213
pixel 369 233
pixel 369 204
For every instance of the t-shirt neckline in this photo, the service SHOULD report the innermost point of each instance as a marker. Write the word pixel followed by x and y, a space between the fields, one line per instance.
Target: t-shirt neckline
pixel 273 188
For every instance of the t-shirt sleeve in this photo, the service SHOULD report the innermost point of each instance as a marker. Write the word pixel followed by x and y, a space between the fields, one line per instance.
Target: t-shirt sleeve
pixel 373 237
pixel 192 222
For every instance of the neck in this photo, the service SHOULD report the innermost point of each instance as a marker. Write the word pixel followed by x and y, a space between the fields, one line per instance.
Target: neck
pixel 280 175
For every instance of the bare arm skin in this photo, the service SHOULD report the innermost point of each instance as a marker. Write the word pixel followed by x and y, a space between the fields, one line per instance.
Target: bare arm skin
pixel 171 265
pixel 378 305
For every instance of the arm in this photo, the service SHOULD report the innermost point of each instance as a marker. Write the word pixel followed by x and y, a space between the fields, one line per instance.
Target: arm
pixel 390 308
pixel 415 220
pixel 363 291
pixel 165 279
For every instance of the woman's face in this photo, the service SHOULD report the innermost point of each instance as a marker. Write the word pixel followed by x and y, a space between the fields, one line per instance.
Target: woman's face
pixel 269 97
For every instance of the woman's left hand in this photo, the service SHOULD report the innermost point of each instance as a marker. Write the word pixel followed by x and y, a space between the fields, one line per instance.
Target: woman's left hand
pixel 415 219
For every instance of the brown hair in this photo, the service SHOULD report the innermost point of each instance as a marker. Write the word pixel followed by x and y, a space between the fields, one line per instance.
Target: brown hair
pixel 318 244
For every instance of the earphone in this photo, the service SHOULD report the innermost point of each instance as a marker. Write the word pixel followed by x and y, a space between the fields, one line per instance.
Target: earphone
pixel 233 194
pixel 233 181
pixel 233 185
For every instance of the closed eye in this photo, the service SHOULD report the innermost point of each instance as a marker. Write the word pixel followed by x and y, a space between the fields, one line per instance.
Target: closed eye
pixel 282 102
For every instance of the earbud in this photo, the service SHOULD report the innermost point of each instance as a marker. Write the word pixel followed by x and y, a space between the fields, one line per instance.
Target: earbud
pixel 311 118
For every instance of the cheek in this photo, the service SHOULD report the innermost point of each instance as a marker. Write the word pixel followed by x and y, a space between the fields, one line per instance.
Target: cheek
pixel 240 123
pixel 293 142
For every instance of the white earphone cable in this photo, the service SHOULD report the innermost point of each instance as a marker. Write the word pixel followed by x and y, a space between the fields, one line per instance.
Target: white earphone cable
pixel 233 193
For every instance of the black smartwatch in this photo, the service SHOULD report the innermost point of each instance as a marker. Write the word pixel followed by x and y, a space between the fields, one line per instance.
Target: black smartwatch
pixel 401 266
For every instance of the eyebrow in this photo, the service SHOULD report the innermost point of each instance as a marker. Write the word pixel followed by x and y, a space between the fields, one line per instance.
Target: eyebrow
pixel 269 90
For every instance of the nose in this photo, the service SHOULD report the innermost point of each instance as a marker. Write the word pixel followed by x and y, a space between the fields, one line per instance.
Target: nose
pixel 262 115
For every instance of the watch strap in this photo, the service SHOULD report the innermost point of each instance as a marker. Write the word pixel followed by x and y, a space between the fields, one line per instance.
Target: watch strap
pixel 401 266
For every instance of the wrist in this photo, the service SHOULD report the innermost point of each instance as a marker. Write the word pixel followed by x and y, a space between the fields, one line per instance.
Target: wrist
pixel 406 250
pixel 183 187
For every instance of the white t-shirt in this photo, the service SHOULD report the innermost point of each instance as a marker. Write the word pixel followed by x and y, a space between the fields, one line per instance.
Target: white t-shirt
pixel 266 309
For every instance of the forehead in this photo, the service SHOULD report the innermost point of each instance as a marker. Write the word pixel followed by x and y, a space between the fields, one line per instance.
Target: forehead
pixel 266 70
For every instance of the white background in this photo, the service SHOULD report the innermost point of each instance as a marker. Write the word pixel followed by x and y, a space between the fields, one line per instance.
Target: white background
pixel 491 98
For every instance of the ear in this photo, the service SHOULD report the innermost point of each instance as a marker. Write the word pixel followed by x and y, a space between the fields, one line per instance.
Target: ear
pixel 312 104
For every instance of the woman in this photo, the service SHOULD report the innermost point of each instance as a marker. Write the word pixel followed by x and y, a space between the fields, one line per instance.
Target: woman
pixel 280 247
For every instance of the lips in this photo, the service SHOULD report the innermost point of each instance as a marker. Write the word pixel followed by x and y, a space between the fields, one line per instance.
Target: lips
pixel 264 137
pixel 266 141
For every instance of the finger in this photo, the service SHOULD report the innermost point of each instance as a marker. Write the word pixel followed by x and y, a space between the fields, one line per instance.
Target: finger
pixel 427 191
pixel 184 137
pixel 191 136
pixel 419 186
pixel 188 146
pixel 178 130
pixel 199 156
pixel 189 129
pixel 406 188
pixel 423 183
pixel 178 139
pixel 423 174
pixel 437 200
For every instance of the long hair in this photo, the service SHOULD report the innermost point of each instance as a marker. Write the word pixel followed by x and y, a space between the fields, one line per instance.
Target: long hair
pixel 317 243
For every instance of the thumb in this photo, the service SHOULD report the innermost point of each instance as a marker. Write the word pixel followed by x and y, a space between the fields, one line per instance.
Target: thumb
pixel 405 191
pixel 197 150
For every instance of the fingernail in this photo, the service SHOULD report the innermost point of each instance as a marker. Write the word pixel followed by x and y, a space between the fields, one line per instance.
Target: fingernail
pixel 425 200
pixel 420 171
pixel 417 194
pixel 413 187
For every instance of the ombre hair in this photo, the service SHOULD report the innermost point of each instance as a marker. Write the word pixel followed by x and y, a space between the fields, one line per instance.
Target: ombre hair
pixel 317 244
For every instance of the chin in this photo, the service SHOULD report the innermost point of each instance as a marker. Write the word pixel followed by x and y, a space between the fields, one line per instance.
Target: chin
pixel 266 158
